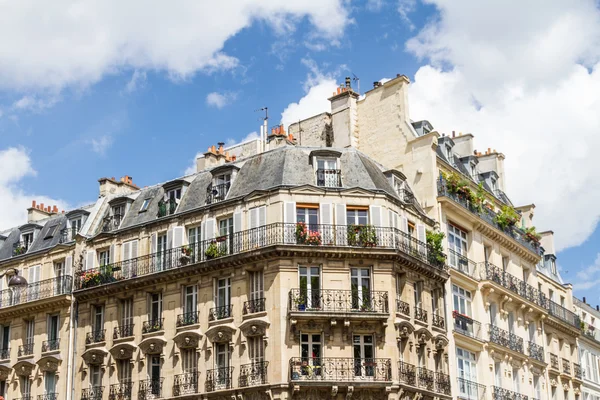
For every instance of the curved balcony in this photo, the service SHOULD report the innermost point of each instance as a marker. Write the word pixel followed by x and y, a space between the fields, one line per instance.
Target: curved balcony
pixel 332 369
pixel 515 285
pixel 95 336
pixel 218 379
pixel 253 374
pixel 402 307
pixel 153 325
pixel 353 302
pixel 499 393
pixel 50 345
pixel 218 313
pixel 438 321
pixel 420 315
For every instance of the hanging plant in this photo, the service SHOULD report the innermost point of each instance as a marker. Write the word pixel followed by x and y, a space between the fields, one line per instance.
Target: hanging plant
pixel 507 218
pixel 532 236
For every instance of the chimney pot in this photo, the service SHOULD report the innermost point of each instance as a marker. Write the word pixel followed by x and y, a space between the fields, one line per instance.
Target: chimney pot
pixel 489 150
pixel 55 209
pixel 584 299
pixel 495 151
pixel 348 82
pixel 398 75
pixel 597 308
pixel 41 206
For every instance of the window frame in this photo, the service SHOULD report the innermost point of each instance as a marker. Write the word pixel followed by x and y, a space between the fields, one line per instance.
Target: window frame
pixel 145 205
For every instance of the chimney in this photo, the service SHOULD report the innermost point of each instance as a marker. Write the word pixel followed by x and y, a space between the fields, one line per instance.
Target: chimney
pixel 215 157
pixel 37 211
pixel 597 307
pixel 348 82
pixel 344 116
pixel 110 186
pixel 584 299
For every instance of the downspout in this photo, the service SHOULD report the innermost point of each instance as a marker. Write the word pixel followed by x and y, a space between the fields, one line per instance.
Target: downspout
pixel 70 389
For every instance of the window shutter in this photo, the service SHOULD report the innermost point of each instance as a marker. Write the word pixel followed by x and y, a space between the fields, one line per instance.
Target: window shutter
pixel 177 236
pixel 111 254
pixel 125 251
pixel 202 231
pixel 134 248
pixel 210 228
pixel 153 243
pixel 340 214
pixel 237 221
pixel 90 259
pixel 68 266
pixel 253 218
pixel 262 215
pixel 375 212
pixel 422 238
pixel 170 239
pixel 326 220
pixel 289 214
pixel 405 240
pixel 341 222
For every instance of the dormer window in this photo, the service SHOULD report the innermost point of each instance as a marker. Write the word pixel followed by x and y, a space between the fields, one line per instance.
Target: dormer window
pixel 223 177
pixel 27 239
pixel 118 208
pixel 328 173
pixel 494 185
pixel 449 153
pixel 174 194
pixel 75 220
pixel 118 212
pixel 50 232
pixel 473 170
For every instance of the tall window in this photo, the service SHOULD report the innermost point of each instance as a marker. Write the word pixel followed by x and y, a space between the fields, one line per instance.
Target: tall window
pixel 126 323
pixel 161 252
pixel 50 383
pixel 327 173
pixel 98 318
pixel 124 371
pixel 75 227
pixel 154 374
pixel 310 286
pixel 457 243
pixel 4 342
pixel 189 361
pixel 309 216
pixel 222 376
pixel 226 229
pixel 363 355
pixel 256 349
pixel 155 311
pixel 357 217
pixel 59 284
pixel 360 281
pixel 516 386
pixel 53 331
pixel 3 387
pixel 104 257
pixel 25 387
pixel 256 297
pixel 310 351
pixel 537 386
pixel 95 376
pixel 29 335
pixel 223 179
pixel 462 308
pixel 27 239
pixel 498 374
pixel 194 238
pixel 418 292
pixel 223 298
pixel 190 304
pixel 505 261
pixel 174 194
pixel 467 371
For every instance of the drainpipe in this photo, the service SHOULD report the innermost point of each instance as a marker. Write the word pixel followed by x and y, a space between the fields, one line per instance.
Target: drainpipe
pixel 70 389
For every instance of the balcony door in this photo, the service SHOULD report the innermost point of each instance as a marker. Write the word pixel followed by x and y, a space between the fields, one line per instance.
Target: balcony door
pixel 223 298
pixel 222 377
pixel 310 287
pixel 190 302
pixel 155 315
pixel 4 341
pixel 462 310
pixel 98 324
pixel 364 364
pixel 29 335
pixel 53 331
pixel 226 235
pixel 310 351
pixel 154 375
pixel 33 287
pixel 327 172
pixel 457 243
pixel 161 252
pixel 467 374
pixel 360 280
pixel 59 272
pixel 49 383
pixel 127 317
pixel 95 376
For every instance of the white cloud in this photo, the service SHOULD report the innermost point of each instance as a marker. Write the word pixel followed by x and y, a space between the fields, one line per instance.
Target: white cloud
pixel 35 103
pixel 16 166
pixel 374 5
pixel 531 92
pixel 101 144
pixel 137 81
pixel 220 100
pixel 588 278
pixel 80 42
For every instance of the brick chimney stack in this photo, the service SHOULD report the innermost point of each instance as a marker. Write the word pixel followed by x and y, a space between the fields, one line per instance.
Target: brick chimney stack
pixel 38 211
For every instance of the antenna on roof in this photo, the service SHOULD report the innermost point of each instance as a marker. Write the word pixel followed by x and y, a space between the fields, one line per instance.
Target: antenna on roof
pixel 357 80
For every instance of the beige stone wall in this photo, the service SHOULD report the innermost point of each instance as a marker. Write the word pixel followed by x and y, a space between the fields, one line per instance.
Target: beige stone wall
pixel 312 131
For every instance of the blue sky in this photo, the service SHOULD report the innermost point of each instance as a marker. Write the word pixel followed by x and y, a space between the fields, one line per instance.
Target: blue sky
pixel 114 91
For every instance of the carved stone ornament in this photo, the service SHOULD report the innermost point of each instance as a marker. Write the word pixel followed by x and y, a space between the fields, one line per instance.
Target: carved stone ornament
pixel 566 387
pixel 24 368
pixel 405 329
pixel 311 394
pixel 254 328
pixel 368 395
pixel 48 364
pixel 220 334
pixel 95 356
pixel 123 351
pixel 441 342
pixel 188 339
pixel 255 396
pixel 553 382
pixel 4 372
pixel 152 345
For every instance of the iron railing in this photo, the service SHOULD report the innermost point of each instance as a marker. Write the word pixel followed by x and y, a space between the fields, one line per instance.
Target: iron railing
pixel 466 325
pixel 166 207
pixel 402 307
pixel 150 389
pixel 514 284
pixel 499 393
pixel 554 361
pixel 185 384
pixel 95 336
pixel 326 300
pixel 121 391
pixel 216 193
pixel 253 374
pixel 469 390
pixel 217 313
pixel 425 378
pixel 536 351
pixel 577 371
pixel 26 349
pixel 254 306
pixel 190 318
pixel 153 325
pixel 36 291
pixel 420 314
pixel 93 393
pixel 558 311
pixel 438 321
pixel 462 264
pixel 329 177
pixel 20 248
pixel 505 339
pixel 442 383
pixel 5 353
pixel 53 396
pixel 253 239
pixel 50 345
pixel 68 234
pixel 340 369
pixel 406 196
pixel 218 379
pixel 111 222
pixel 407 373
pixel 123 331
pixel 566 364
pixel 25 397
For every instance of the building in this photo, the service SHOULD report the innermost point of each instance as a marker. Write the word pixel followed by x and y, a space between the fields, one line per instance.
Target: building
pixel 589 348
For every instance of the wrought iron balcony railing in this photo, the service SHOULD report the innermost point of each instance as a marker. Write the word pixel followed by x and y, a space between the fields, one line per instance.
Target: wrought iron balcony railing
pixel 253 374
pixel 190 318
pixel 425 378
pixel 469 390
pixel 407 373
pixel 26 349
pixel 121 391
pixel 25 397
pixel 327 300
pixel 5 353
pixel 536 351
pixel 406 196
pixel 95 336
pixel 368 237
pixel 505 339
pixel 216 193
pixel 123 331
pixel 461 263
pixel 499 393
pixel 153 325
pixel 50 345
pixel 466 325
pixel 166 207
pixel 558 311
pixel 93 393
pixel 329 177
pixel 442 383
pixel 438 321
pixel 185 384
pixel 218 379
pixel 254 306
pixel 340 369
pixel 150 389
pixel 554 361
pixel 20 248
pixel 68 234
pixel 50 396
pixel 577 371
pixel 514 284
pixel 420 314
pixel 402 307
pixel 217 313
pixel 566 364
pixel 36 291
pixel 111 222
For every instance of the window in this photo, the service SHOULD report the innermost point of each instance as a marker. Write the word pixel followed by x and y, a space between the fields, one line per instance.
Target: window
pixel 50 232
pixel 223 298
pixel 155 310
pixel 4 342
pixel 222 375
pixel 487 253
pixel 309 216
pixel 95 376
pixel 467 373
pixel 411 230
pixel 194 235
pixel 53 331
pixel 256 296
pixel 145 205
pixel 49 383
pixel 537 386
pixel 457 244
pixel 25 387
pixel 104 257
pixel 98 323
pixel 75 226
pixel 223 179
pixel 494 185
pixel 515 375
pixel 226 226
pixel 449 153
pixel 360 281
pixel 418 292
pixel 310 351
pixel 29 333
pixel 161 252
pixel 532 332
pixel 3 389
pixel 310 287
pixel 505 261
pixel 124 367
pixel 154 373
pixel 189 361
pixel 328 174
pixel 511 322
pixel 462 308
pixel 551 294
pixel 190 305
pixel 27 239
pixel 357 216
pixel 118 211
pixel 174 194
pixel 363 355
pixel 553 266
pixel 399 185
pixel 256 349
pixel 126 323
pixel 473 169
pixel 498 373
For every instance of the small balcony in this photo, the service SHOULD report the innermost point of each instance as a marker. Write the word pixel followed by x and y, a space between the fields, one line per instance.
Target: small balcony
pixel 123 331
pixel 353 302
pixel 5 354
pixel 153 325
pixel 25 350
pixel 425 379
pixel 340 369
pixel 20 248
pixel 111 222
pixel 462 264
pixel 50 396
pixel 554 361
pixel 577 371
pixel 166 207
pixel 407 373
pixel 566 364
pixel 558 311
pixel 50 345
pixel 442 383
pixel 218 379
pixel 217 313
pixel 536 352
pixel 96 336
pixel 185 384
pixel 254 306
pixel 499 393
pixel 420 315
pixel 513 284
pixel 68 235
pixel 151 389
pixel 93 393
pixel 438 321
pixel 216 193
pixel 329 178
pixel 505 339
pixel 468 390
pixel 121 391
pixel 466 325
pixel 190 318
pixel 253 374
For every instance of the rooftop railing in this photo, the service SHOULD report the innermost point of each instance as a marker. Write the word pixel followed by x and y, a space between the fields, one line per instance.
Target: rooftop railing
pixel 351 236
pixel 36 291
pixel 334 300
pixel 558 311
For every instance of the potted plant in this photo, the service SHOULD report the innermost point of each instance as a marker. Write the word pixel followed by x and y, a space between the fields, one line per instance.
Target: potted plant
pixel 506 218
pixel 313 238
pixel 434 241
pixel 301 233
pixel 19 250
pixel 186 253
pixel 212 251
pixel 532 236
pixel 352 234
pixel 368 236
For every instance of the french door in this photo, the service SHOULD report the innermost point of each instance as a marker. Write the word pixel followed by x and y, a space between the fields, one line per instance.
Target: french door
pixel 364 363
pixel 222 377
pixel 310 287
pixel 310 351
pixel 360 281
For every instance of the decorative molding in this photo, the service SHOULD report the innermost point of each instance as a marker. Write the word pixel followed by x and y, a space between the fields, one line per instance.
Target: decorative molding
pixel 188 339
pixel 24 368
pixel 122 351
pixel 95 356
pixel 4 372
pixel 153 345
pixel 220 333
pixel 48 364
pixel 254 327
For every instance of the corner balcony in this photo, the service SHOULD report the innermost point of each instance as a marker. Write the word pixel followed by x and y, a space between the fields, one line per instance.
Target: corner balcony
pixel 512 284
pixel 499 393
pixel 330 370
pixel 466 325
pixel 42 290
pixel 505 339
pixel 338 303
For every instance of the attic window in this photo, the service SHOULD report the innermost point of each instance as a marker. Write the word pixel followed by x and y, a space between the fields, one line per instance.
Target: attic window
pixel 145 205
pixel 473 169
pixel 50 232
pixel 449 153
pixel 328 173
pixel 218 189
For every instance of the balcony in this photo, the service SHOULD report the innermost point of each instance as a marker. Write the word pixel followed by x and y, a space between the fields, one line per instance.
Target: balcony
pixel 499 393
pixel 20 248
pixel 50 345
pixel 185 384
pixel 218 379
pixel 96 336
pixel 370 238
pixel 402 307
pixel 253 374
pixel 505 339
pixel 564 315
pixel 253 306
pixel 111 222
pixel 462 264
pixel 554 361
pixel 577 371
pixel 407 373
pixel 438 321
pixel 36 291
pixel 49 396
pixel 566 364
pixel 333 300
pixel 93 393
pixel 536 352
pixel 5 354
pixel 514 284
pixel 442 384
pixel 216 193
pixel 123 331
pixel 341 369
pixel 420 315
pixel 466 325
pixel 406 196
pixel 329 178
pixel 217 313
pixel 468 390
pixel 153 325
pixel 121 391
pixel 68 235
pixel 150 389
pixel 166 207
pixel 190 318
pixel 425 379
pixel 25 350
